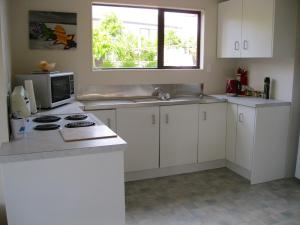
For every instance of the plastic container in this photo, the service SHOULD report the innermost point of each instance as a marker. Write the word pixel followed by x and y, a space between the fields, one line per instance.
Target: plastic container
pixel 18 127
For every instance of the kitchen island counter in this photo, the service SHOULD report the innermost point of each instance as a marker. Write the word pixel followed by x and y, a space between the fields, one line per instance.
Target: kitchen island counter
pixel 49 144
pixel 52 182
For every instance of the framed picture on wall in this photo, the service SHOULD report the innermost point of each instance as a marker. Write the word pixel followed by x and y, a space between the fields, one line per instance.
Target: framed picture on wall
pixel 52 30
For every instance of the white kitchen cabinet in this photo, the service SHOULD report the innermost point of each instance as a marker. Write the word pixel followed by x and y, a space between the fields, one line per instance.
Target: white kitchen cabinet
pixel 212 132
pixel 240 135
pixel 270 150
pixel 230 29
pixel 246 28
pixel 108 117
pixel 232 116
pixel 178 135
pixel 139 127
pixel 258 28
pixel 256 141
pixel 245 137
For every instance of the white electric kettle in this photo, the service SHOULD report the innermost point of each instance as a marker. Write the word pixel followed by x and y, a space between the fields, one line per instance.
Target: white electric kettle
pixel 20 103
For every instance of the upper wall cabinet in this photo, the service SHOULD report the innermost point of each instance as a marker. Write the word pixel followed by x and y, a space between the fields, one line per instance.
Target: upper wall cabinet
pixel 245 28
pixel 257 29
pixel 230 29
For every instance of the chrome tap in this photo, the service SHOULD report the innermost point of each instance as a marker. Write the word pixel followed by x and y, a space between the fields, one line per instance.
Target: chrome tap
pixel 201 95
pixel 161 94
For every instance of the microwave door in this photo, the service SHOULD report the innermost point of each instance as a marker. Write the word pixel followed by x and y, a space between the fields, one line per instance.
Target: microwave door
pixel 60 88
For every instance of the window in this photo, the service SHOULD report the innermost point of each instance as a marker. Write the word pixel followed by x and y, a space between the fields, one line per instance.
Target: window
pixel 135 37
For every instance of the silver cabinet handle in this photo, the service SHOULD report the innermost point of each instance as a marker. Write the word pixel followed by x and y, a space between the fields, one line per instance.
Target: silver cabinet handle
pixel 245 44
pixel 109 122
pixel 167 118
pixel 204 113
pixel 241 117
pixel 153 119
pixel 236 45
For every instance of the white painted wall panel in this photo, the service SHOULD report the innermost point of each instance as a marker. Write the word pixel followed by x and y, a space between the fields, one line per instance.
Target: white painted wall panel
pixel 86 189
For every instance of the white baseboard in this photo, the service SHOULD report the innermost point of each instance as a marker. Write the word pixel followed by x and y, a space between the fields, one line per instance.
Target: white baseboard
pixel 239 170
pixel 176 170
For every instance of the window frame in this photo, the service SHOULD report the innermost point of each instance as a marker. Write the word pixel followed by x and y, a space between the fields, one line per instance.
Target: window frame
pixel 160 37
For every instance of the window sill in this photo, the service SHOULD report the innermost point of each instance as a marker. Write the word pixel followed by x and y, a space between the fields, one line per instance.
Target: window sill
pixel 139 69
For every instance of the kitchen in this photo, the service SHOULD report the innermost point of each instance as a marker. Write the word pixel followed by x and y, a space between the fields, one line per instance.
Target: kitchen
pixel 18 58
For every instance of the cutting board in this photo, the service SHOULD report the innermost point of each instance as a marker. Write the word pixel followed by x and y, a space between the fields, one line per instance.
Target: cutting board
pixel 86 133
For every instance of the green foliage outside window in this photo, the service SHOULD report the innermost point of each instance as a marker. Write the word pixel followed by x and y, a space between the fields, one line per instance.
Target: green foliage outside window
pixel 114 47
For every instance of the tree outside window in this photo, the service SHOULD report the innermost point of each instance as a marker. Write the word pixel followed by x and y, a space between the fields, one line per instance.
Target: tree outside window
pixel 121 39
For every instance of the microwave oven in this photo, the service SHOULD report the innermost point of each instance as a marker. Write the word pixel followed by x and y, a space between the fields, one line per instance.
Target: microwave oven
pixel 50 89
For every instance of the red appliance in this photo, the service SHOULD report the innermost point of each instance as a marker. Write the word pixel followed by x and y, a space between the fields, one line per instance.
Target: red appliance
pixel 232 87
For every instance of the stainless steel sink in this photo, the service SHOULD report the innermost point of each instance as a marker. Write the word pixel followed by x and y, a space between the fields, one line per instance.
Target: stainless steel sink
pixel 136 102
pixel 146 100
pixel 175 99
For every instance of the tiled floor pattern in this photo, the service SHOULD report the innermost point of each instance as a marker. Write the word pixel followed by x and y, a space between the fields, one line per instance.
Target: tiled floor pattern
pixel 215 197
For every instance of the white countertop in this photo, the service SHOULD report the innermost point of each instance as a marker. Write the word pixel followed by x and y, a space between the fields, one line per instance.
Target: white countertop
pixel 50 144
pixel 71 108
pixel 252 101
pixel 39 145
pixel 246 101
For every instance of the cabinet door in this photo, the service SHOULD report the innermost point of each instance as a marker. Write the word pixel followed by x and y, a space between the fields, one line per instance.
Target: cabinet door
pixel 178 135
pixel 229 29
pixel 232 115
pixel 139 127
pixel 258 28
pixel 108 117
pixel 212 132
pixel 245 136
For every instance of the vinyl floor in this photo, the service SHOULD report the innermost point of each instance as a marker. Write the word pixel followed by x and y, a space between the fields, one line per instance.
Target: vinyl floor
pixel 214 197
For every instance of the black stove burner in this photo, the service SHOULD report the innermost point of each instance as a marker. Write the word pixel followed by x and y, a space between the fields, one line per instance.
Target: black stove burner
pixel 50 126
pixel 80 124
pixel 76 117
pixel 46 119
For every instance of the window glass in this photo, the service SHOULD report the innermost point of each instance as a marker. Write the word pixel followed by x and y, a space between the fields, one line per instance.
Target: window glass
pixel 124 37
pixel 180 39
pixel 134 37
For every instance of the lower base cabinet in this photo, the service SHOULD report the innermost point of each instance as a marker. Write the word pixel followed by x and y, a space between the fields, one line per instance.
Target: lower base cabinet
pixel 252 139
pixel 240 135
pixel 108 117
pixel 245 137
pixel 178 135
pixel 139 127
pixel 256 141
pixel 212 132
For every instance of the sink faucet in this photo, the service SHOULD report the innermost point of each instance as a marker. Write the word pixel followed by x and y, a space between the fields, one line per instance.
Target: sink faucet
pixel 201 95
pixel 161 94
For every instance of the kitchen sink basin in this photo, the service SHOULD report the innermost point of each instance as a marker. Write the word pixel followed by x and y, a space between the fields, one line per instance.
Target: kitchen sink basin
pixel 135 102
pixel 176 99
pixel 146 100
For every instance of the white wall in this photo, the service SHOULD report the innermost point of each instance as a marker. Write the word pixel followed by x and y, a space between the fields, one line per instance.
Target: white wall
pixel 80 60
pixel 5 69
pixel 295 128
pixel 5 72
pixel 281 71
